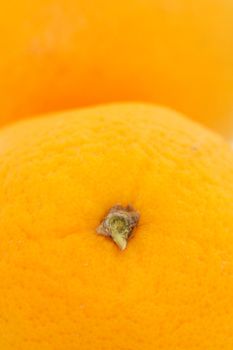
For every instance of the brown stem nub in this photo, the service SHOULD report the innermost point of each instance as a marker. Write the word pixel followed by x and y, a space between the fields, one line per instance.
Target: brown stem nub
pixel 119 224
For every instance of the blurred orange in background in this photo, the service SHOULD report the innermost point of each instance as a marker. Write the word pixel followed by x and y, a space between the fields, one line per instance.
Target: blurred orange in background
pixel 58 54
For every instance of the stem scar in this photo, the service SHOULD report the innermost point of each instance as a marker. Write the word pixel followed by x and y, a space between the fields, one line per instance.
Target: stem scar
pixel 119 224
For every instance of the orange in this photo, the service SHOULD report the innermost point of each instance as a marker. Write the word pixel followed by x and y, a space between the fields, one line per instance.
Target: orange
pixel 62 285
pixel 58 54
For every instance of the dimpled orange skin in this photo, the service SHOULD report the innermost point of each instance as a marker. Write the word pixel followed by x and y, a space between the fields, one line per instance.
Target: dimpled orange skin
pixel 63 286
pixel 58 54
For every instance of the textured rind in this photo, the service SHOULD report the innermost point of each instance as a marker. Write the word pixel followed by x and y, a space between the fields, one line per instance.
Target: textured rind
pixel 62 286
